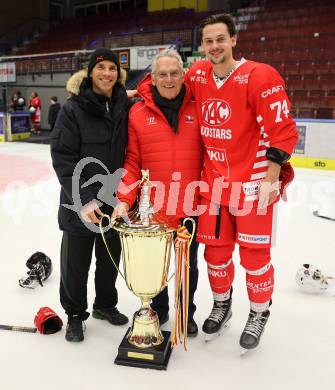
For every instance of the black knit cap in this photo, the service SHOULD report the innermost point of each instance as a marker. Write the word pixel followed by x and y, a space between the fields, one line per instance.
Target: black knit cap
pixel 103 54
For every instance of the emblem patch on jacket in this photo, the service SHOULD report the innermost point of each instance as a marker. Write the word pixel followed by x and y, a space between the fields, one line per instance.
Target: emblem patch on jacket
pixel 151 120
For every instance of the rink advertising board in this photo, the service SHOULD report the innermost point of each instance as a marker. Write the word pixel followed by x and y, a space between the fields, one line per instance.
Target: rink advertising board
pixel 20 122
pixel 7 72
pixel 316 144
pixel 124 57
pixel 138 57
pixel 300 146
pixel 19 126
pixel 2 132
pixel 141 56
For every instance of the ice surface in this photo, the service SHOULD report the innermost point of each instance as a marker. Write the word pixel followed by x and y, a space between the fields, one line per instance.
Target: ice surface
pixel 298 347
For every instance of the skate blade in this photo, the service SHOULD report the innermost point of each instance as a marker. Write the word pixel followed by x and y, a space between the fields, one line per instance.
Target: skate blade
pixel 210 336
pixel 244 352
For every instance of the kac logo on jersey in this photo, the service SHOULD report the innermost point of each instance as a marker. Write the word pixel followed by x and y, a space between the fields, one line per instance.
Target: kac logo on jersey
pixel 215 112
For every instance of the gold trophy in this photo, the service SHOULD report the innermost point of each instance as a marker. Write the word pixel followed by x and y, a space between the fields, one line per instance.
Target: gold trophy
pixel 146 250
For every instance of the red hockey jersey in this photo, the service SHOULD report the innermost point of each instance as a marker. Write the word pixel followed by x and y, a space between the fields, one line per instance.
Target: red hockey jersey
pixel 239 120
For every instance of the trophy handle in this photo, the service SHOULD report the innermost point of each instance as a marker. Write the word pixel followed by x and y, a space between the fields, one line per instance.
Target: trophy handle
pixel 192 236
pixel 111 223
pixel 193 226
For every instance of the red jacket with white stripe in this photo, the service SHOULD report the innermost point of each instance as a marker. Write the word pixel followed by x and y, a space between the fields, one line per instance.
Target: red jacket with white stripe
pixel 174 160
pixel 238 122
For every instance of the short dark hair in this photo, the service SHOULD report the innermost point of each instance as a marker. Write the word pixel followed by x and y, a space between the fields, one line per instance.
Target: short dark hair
pixel 226 19
pixel 54 98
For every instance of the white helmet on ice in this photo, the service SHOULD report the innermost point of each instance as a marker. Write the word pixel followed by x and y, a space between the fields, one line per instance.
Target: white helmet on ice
pixel 310 279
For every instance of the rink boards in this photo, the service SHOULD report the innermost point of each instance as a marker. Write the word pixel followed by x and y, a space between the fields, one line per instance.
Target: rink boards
pixel 316 144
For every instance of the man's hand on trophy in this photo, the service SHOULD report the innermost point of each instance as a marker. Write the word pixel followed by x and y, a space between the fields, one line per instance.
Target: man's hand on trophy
pixel 90 211
pixel 120 210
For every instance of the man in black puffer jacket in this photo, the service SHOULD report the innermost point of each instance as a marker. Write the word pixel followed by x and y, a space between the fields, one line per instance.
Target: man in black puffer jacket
pixel 87 147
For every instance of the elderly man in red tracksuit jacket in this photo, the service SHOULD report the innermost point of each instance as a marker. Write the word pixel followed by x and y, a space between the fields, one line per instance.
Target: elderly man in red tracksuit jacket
pixel 164 138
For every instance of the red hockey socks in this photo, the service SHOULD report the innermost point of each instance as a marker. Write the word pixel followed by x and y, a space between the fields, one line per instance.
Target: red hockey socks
pixel 260 287
pixel 221 278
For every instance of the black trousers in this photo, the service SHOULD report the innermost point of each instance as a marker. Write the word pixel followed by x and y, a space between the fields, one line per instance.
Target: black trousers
pixel 76 256
pixel 161 302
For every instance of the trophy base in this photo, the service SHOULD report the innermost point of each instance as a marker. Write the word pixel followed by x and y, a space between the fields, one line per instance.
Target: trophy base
pixel 153 357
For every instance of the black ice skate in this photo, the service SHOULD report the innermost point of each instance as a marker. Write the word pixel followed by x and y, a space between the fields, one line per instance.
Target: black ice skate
pixel 218 320
pixel 253 330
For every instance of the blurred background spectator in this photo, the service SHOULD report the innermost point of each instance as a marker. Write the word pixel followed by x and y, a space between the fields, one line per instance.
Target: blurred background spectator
pixel 53 111
pixel 18 102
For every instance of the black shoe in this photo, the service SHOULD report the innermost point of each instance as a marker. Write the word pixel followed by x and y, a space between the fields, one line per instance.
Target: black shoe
pixel 163 318
pixel 74 329
pixel 192 328
pixel 112 315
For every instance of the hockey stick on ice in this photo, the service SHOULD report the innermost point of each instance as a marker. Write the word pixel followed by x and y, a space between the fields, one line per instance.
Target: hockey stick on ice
pixel 18 328
pixel 316 213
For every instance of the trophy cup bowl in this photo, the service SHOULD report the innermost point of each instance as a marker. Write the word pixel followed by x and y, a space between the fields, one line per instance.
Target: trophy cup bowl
pixel 146 250
pixel 146 260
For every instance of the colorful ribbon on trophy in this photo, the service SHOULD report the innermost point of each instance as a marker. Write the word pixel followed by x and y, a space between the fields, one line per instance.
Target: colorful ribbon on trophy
pixel 182 266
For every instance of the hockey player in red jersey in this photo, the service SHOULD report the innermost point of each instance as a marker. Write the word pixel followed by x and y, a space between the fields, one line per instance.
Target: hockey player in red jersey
pixel 35 110
pixel 249 135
